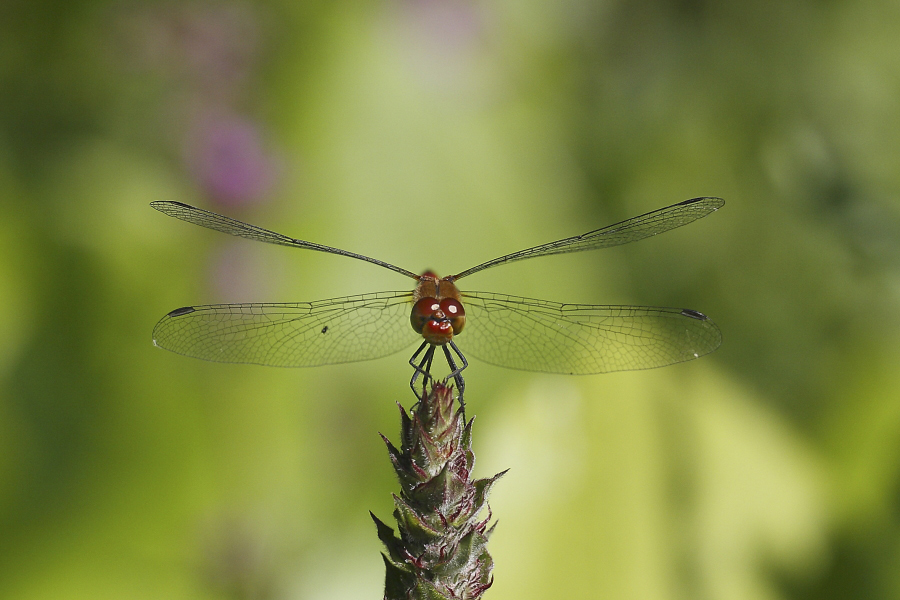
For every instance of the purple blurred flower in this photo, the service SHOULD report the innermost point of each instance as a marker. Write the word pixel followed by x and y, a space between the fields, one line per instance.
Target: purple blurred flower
pixel 219 45
pixel 226 156
pixel 450 24
pixel 206 52
pixel 444 38
pixel 210 48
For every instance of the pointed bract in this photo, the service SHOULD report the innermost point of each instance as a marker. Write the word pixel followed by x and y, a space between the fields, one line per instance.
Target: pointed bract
pixel 390 541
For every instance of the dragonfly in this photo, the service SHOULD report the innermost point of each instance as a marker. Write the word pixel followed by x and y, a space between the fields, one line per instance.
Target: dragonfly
pixel 508 331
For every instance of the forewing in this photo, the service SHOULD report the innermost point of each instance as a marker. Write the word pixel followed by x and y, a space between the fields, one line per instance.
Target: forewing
pixel 211 220
pixel 580 339
pixel 302 334
pixel 217 222
pixel 630 230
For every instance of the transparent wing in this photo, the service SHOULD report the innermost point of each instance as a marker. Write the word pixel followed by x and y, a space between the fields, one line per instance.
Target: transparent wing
pixel 302 334
pixel 211 220
pixel 580 339
pixel 631 230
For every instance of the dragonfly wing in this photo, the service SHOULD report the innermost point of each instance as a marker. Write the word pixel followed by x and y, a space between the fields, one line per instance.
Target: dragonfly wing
pixel 302 334
pixel 211 220
pixel 217 222
pixel 580 339
pixel 630 230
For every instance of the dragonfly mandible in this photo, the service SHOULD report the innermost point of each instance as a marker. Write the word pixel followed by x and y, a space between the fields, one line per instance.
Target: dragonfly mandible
pixel 508 331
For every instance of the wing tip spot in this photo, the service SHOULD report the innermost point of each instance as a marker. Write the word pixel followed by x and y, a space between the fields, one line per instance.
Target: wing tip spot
pixel 717 202
pixel 180 312
pixel 694 314
pixel 161 204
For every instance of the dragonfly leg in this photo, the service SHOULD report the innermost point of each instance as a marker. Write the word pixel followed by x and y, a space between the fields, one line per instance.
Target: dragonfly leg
pixel 430 355
pixel 456 372
pixel 423 368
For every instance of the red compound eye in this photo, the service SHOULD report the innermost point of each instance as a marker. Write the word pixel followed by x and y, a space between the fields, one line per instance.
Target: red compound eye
pixel 455 312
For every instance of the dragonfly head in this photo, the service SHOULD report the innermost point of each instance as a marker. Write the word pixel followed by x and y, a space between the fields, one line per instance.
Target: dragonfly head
pixel 438 320
pixel 437 312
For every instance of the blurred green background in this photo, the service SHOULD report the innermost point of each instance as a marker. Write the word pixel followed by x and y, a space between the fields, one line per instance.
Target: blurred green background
pixel 439 134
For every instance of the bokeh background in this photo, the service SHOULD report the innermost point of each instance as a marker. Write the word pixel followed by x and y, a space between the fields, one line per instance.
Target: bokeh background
pixel 438 134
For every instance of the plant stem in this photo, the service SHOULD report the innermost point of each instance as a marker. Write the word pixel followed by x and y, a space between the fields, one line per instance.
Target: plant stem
pixel 441 552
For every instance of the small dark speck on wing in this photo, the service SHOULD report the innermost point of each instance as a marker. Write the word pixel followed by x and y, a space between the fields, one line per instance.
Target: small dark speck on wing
pixel 180 312
pixel 325 329
pixel 694 314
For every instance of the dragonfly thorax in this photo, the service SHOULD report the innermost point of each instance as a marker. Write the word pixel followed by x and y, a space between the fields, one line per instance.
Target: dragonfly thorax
pixel 437 312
